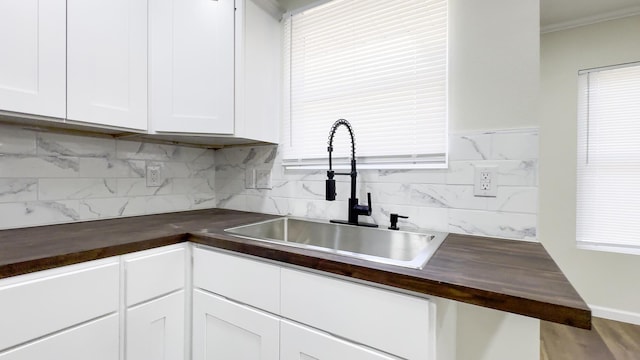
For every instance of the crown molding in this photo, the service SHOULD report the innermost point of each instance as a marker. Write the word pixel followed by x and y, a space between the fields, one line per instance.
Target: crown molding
pixel 271 6
pixel 588 20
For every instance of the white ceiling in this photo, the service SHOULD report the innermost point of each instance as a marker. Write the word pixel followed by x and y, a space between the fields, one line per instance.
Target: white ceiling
pixel 556 14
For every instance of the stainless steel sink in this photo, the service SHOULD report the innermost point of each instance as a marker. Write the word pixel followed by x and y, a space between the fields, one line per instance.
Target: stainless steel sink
pixel 402 248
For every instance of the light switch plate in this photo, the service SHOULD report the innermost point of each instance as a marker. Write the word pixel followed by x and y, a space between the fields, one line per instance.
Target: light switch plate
pixel 250 178
pixel 263 178
pixel 486 181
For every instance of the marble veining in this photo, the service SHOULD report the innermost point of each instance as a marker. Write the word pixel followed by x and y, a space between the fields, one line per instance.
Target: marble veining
pixel 68 145
pixel 63 162
pixel 60 208
pixel 18 189
pixel 438 199
pixel 476 147
pixel 49 178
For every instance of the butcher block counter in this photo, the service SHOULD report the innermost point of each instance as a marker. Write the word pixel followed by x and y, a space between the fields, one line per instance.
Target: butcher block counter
pixel 507 275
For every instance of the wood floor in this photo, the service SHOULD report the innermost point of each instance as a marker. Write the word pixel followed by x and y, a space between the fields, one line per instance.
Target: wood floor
pixel 608 340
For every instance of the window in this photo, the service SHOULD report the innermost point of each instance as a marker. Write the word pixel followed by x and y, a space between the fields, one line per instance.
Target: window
pixel 608 174
pixel 382 65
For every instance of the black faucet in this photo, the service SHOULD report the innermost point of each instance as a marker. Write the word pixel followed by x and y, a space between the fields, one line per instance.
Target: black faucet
pixel 355 209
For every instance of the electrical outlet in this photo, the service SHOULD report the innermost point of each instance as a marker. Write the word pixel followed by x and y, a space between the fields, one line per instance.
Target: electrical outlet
pixel 154 175
pixel 263 178
pixel 250 178
pixel 486 181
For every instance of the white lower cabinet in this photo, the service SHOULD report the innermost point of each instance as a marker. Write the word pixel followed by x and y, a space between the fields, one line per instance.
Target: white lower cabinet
pixel 230 307
pixel 224 330
pixel 96 340
pixel 39 304
pixel 395 323
pixel 155 299
pixel 306 315
pixel 155 330
pixel 299 342
pixel 76 312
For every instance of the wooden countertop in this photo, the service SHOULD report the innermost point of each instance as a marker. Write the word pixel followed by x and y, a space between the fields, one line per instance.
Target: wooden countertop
pixel 507 275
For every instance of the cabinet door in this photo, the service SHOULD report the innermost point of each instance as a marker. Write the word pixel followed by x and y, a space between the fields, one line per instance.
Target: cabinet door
pixel 32 64
pixel 298 342
pixel 97 340
pixel 107 62
pixel 364 314
pixel 259 72
pixel 155 330
pixel 153 273
pixel 224 330
pixel 191 45
pixel 41 303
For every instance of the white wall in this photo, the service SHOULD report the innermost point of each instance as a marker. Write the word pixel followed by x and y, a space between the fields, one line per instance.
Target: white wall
pixel 494 63
pixel 604 279
pixel 487 334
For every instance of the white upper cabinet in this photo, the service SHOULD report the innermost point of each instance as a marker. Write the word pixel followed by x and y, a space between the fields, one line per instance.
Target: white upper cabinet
pixel 107 62
pixel 191 45
pixel 258 71
pixel 32 64
pixel 168 67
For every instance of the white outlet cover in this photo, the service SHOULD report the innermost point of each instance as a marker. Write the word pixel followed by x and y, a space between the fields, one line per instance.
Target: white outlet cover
pixel 485 181
pixel 154 176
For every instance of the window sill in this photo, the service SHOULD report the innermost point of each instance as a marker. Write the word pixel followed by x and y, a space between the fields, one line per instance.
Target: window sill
pixel 614 248
pixel 365 166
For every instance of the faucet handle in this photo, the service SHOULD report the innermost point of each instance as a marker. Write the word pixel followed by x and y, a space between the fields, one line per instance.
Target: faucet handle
pixel 361 209
pixel 330 192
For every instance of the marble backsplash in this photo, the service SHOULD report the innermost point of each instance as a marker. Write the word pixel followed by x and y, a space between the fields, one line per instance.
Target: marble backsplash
pixel 48 178
pixel 440 200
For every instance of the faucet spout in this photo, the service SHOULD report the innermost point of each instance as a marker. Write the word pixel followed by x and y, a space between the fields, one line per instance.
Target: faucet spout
pixel 355 209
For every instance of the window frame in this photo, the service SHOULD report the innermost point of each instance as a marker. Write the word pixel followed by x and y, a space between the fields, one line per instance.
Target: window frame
pixel 410 161
pixel 582 164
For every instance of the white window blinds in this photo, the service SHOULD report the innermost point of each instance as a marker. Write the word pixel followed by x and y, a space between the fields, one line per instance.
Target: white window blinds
pixel 382 65
pixel 608 176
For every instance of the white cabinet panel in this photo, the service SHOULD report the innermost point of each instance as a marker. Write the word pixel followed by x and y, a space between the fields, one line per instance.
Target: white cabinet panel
pixel 97 340
pixel 38 304
pixel 191 45
pixel 154 273
pixel 155 330
pixel 258 73
pixel 248 281
pixel 300 342
pixel 32 64
pixel 107 62
pixel 224 330
pixel 361 313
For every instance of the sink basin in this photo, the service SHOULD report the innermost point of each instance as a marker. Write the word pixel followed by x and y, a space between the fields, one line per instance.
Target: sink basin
pixel 402 248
